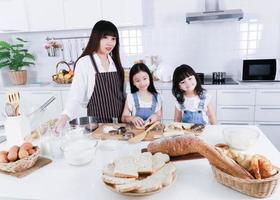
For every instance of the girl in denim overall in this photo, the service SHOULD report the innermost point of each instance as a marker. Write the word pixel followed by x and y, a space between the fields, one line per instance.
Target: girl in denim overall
pixel 143 104
pixel 193 102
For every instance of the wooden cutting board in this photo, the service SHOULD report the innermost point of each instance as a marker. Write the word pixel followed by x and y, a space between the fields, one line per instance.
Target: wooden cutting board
pixel 99 133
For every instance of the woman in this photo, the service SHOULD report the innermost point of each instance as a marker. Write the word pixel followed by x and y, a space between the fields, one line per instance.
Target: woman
pixel 99 78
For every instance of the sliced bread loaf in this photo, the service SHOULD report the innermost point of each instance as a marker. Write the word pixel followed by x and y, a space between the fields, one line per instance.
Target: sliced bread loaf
pixel 125 167
pixel 159 160
pixel 116 180
pixel 144 162
pixel 128 187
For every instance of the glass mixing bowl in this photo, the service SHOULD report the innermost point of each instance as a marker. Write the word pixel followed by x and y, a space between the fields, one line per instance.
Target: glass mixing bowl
pixel 241 138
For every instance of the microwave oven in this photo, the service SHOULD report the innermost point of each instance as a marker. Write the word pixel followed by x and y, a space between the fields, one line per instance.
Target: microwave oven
pixel 260 70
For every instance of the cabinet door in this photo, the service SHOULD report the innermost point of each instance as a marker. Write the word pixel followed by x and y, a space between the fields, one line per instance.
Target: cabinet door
pixel 271 130
pixel 45 15
pixel 267 113
pixel 81 14
pixel 268 97
pixel 123 12
pixel 168 105
pixel 235 97
pixel 12 15
pixel 213 94
pixel 235 113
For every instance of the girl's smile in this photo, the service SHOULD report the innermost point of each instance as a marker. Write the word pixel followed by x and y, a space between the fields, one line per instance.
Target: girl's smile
pixel 141 80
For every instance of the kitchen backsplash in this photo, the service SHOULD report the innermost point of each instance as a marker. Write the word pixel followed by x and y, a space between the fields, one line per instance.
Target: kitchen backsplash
pixel 207 47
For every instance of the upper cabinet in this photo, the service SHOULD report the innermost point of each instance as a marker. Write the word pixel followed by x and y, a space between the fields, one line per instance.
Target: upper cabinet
pixel 13 16
pixel 49 15
pixel 45 15
pixel 123 12
pixel 81 14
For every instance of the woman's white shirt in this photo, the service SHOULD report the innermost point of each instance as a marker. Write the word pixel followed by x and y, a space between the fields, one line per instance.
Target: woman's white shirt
pixel 83 85
pixel 142 104
pixel 191 104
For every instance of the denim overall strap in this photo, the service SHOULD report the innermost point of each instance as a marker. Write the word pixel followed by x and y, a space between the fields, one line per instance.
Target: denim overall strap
pixel 201 102
pixel 154 103
pixel 136 101
pixel 144 112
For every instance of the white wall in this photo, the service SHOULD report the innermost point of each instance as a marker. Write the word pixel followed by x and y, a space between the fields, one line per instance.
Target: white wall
pixel 207 47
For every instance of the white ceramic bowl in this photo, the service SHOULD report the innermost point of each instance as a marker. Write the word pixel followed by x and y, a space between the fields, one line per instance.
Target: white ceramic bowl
pixel 80 151
pixel 240 138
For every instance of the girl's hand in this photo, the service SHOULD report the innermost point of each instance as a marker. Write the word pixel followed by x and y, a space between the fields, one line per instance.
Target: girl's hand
pixel 137 121
pixel 152 119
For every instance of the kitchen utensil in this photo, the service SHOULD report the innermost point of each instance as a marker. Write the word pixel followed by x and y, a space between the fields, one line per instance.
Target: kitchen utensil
pixel 71 62
pixel 3 138
pixel 9 109
pixel 89 123
pixel 13 99
pixel 42 107
pixel 62 51
pixel 141 136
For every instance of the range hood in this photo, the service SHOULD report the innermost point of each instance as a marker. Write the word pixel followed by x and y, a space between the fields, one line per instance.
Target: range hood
pixel 213 13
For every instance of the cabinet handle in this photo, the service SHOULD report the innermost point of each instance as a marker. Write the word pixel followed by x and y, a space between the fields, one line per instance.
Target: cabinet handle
pixel 235 108
pixel 270 108
pixel 264 124
pixel 236 92
pixel 233 123
pixel 270 92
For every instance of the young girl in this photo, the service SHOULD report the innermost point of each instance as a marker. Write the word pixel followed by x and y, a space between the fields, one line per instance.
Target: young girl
pixel 99 78
pixel 193 102
pixel 143 104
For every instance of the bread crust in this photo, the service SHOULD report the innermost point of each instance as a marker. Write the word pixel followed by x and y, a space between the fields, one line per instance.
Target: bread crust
pixel 182 145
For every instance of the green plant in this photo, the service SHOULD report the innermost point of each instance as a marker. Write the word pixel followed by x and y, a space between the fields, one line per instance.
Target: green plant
pixel 16 55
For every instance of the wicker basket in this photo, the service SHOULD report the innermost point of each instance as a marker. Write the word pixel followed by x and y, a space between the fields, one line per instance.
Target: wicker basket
pixel 255 188
pixel 58 80
pixel 22 164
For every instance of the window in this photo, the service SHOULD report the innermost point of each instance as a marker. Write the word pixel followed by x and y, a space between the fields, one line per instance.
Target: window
pixel 250 34
pixel 131 41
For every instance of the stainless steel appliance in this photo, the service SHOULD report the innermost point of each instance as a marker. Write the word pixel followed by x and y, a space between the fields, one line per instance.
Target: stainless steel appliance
pixel 260 70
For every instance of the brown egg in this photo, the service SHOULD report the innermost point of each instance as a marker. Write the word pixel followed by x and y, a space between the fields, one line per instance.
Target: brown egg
pixel 3 157
pixel 26 145
pixel 22 153
pixel 31 151
pixel 13 153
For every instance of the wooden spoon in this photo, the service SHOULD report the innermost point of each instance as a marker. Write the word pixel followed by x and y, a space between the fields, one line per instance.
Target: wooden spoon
pixel 141 136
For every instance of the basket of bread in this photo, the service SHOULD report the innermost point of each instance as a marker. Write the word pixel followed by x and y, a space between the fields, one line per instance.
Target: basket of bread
pixel 139 174
pixel 63 76
pixel 253 175
pixel 19 159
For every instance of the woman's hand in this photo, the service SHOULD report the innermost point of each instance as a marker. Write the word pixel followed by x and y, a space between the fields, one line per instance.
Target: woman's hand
pixel 137 121
pixel 60 124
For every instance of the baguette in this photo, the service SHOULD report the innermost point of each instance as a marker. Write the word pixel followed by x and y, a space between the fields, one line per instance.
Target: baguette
pixel 182 145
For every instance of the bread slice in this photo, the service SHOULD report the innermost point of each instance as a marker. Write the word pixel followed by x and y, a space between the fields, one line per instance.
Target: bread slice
pixel 149 184
pixel 128 187
pixel 125 167
pixel 109 169
pixel 166 174
pixel 144 162
pixel 159 160
pixel 116 181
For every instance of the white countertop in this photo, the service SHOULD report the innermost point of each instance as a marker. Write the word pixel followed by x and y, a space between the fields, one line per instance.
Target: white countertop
pixel 158 84
pixel 195 179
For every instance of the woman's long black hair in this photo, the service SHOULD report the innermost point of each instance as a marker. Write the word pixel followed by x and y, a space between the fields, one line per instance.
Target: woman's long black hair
pixel 136 68
pixel 101 29
pixel 180 73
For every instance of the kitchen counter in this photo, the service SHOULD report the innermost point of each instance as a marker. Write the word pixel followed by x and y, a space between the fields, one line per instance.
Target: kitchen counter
pixel 195 179
pixel 51 86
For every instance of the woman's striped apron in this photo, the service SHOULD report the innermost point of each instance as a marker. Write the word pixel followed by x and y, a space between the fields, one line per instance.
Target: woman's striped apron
pixel 107 99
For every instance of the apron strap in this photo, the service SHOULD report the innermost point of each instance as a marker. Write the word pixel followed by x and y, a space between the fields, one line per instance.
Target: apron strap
pixel 136 101
pixel 93 63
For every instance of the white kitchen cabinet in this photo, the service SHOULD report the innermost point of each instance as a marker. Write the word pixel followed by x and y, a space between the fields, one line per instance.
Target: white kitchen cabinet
pixel 168 105
pixel 267 113
pixel 82 14
pixel 240 123
pixel 235 97
pixel 2 108
pixel 123 12
pixel 13 15
pixel 45 15
pixel 271 130
pixel 268 97
pixel 235 113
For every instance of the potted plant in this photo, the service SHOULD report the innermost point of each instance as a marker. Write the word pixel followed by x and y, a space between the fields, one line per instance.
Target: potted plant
pixel 16 56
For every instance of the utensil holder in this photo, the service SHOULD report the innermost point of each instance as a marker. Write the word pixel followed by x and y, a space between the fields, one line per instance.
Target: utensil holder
pixel 16 129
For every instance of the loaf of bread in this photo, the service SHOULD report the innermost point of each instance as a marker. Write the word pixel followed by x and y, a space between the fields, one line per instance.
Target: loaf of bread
pixel 182 145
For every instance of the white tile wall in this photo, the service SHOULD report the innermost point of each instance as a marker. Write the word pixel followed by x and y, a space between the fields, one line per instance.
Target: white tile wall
pixel 205 46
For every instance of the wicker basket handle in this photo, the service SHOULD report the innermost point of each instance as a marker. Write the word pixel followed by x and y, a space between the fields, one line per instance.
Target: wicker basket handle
pixel 62 62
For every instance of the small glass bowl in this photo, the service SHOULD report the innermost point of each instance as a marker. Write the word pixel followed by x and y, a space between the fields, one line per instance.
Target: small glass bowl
pixel 240 138
pixel 79 150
